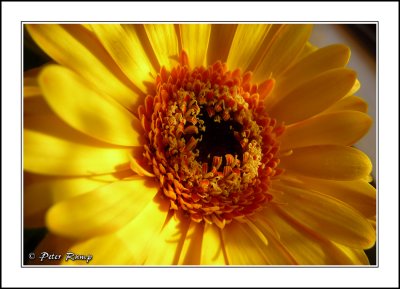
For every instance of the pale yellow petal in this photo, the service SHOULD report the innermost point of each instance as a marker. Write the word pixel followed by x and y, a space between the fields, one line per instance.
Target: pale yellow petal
pixel 104 250
pixel 248 39
pixel 283 50
pixel 242 247
pixel 44 154
pixel 351 102
pixel 41 195
pixel 306 247
pixel 358 194
pixel 212 247
pixel 326 216
pixel 123 44
pixel 77 48
pixel 191 249
pixel 139 233
pixel 195 39
pixel 314 96
pixel 220 33
pixel 276 252
pixel 328 162
pixel 86 110
pixel 164 42
pixel 307 49
pixel 317 62
pixel 339 128
pixel 165 247
pixel 103 210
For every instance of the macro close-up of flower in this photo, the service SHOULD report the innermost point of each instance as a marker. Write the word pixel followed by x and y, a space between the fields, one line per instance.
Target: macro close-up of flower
pixel 195 144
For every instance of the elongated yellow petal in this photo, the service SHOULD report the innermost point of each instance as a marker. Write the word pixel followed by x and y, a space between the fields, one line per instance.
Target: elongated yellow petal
pixel 358 194
pixel 351 102
pixel 328 162
pixel 284 49
pixel 326 216
pixel 307 49
pixel 165 247
pixel 44 154
pixel 103 210
pixel 220 33
pixel 306 247
pixel 195 39
pixel 339 128
pixel 212 251
pixel 247 41
pixel 318 62
pixel 314 96
pixel 357 256
pixel 139 233
pixel 77 48
pixel 103 250
pixel 242 247
pixel 39 196
pixel 191 250
pixel 164 41
pixel 275 251
pixel 87 111
pixel 123 44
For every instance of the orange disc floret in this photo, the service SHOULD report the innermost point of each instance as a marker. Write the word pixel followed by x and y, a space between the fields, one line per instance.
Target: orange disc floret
pixel 210 143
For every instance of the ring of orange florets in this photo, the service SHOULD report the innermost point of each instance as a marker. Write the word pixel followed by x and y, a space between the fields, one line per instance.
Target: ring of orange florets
pixel 223 187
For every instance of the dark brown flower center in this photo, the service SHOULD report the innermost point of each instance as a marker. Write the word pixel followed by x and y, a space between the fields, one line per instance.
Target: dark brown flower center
pixel 210 143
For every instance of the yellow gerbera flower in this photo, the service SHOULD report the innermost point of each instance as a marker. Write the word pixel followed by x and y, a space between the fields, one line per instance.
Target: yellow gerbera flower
pixel 195 144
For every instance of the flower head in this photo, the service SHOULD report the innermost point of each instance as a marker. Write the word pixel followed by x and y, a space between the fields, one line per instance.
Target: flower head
pixel 196 144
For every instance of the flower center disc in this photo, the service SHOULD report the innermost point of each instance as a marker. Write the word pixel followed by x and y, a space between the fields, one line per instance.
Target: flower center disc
pixel 210 143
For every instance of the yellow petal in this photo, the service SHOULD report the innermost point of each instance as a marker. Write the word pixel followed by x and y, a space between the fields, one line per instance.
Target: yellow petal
pixel 39 196
pixel 103 250
pixel 306 247
pixel 339 128
pixel 326 216
pixel 242 247
pixel 195 39
pixel 103 210
pixel 87 111
pixel 139 233
pixel 220 33
pixel 31 87
pixel 276 253
pixel 358 194
pixel 123 44
pixel 320 61
pixel 314 96
pixel 44 154
pixel 77 48
pixel 212 251
pixel 328 162
pixel 285 47
pixel 165 247
pixel 357 256
pixel 164 41
pixel 248 39
pixel 191 249
pixel 307 49
pixel 351 102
